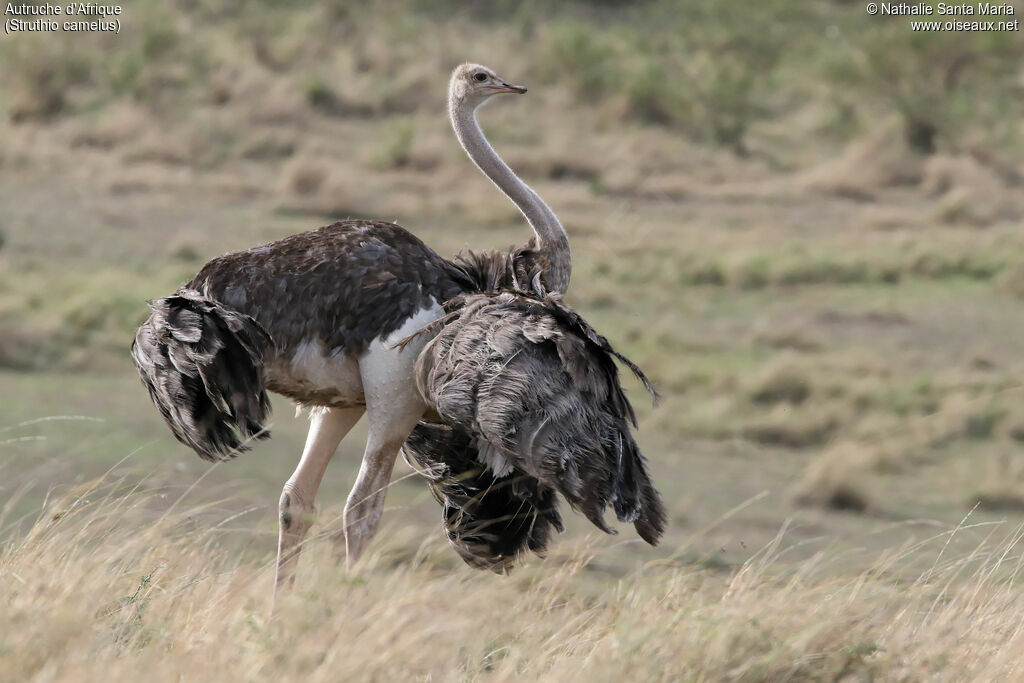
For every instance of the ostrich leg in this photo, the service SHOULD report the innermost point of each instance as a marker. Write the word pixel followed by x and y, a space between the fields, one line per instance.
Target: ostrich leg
pixel 328 426
pixel 393 407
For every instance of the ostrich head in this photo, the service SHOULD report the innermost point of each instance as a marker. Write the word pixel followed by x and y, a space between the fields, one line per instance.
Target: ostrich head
pixel 473 84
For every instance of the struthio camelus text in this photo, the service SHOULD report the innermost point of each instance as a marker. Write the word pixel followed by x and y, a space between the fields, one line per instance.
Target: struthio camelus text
pixel 317 317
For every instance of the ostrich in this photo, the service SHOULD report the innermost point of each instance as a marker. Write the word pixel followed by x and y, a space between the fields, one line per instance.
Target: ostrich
pixel 329 318
pixel 529 405
pixel 315 317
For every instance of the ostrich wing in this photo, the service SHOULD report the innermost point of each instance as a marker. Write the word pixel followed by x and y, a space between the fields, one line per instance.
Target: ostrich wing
pixel 530 398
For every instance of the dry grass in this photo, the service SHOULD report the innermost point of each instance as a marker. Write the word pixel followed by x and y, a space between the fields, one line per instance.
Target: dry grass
pixel 105 586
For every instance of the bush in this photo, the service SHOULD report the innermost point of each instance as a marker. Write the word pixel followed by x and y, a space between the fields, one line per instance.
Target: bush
pixel 587 57
pixel 396 144
pixel 706 68
pixel 781 383
pixel 834 479
pixel 938 82
pixel 43 73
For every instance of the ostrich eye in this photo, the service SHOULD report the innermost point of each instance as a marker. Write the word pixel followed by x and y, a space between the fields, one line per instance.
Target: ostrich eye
pixel 480 77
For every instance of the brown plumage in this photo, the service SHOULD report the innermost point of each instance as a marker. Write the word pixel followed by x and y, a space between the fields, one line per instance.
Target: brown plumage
pixel 344 284
pixel 530 400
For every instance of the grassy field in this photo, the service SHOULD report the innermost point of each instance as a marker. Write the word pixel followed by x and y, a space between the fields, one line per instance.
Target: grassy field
pixel 805 226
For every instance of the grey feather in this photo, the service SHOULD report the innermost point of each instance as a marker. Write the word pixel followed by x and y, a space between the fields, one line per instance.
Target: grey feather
pixel 201 363
pixel 526 375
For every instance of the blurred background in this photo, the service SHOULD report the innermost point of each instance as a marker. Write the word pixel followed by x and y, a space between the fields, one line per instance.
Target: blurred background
pixel 805 223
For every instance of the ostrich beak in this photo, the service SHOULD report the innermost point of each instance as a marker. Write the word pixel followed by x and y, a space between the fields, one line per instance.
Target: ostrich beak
pixel 508 87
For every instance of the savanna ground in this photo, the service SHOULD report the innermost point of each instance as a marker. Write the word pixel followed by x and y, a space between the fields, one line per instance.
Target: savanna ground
pixel 804 223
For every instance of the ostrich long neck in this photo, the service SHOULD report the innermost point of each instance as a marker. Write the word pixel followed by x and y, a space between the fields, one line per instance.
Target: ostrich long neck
pixel 552 240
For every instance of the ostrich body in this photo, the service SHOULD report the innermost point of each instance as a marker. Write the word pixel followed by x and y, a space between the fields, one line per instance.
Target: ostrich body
pixel 315 317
